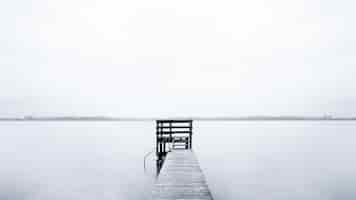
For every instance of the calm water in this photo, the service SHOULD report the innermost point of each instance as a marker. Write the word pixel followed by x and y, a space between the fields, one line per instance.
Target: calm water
pixel 241 160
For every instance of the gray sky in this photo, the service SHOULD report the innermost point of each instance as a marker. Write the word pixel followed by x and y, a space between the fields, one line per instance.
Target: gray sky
pixel 177 58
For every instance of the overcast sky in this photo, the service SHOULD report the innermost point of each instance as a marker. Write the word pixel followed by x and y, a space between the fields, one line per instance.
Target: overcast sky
pixel 177 58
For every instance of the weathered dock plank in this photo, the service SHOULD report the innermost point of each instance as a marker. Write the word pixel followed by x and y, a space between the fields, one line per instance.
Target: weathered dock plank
pixel 181 178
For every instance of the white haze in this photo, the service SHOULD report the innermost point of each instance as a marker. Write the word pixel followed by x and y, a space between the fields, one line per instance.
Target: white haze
pixel 177 58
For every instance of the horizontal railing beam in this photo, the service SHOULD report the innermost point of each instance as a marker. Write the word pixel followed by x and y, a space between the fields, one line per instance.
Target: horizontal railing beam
pixel 174 126
pixel 174 132
pixel 174 121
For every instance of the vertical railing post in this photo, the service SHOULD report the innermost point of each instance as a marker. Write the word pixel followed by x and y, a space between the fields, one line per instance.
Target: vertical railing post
pixel 157 147
pixel 170 130
pixel 190 133
pixel 157 140
pixel 161 141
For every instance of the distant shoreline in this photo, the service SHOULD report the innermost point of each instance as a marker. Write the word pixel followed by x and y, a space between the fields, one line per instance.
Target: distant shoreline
pixel 90 119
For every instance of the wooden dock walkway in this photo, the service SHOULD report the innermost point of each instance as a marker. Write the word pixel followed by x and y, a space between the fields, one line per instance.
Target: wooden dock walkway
pixel 181 178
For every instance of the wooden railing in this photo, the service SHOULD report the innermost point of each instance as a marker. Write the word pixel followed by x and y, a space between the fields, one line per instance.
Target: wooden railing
pixel 171 134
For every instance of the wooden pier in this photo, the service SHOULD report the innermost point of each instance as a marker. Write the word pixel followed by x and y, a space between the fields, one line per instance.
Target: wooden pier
pixel 170 134
pixel 181 178
pixel 179 175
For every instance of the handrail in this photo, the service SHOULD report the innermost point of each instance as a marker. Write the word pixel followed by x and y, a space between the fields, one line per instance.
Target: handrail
pixel 144 160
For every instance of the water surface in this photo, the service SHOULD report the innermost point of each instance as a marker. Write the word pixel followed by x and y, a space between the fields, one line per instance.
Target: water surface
pixel 74 160
pixel 241 160
pixel 304 160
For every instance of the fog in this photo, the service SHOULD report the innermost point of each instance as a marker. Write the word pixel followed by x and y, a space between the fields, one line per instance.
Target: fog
pixel 177 58
pixel 201 58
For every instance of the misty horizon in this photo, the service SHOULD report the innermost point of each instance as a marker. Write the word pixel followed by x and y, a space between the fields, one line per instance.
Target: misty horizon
pixel 135 118
pixel 269 84
pixel 140 58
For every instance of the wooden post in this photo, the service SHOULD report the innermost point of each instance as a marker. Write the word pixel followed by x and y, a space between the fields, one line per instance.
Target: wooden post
pixel 190 134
